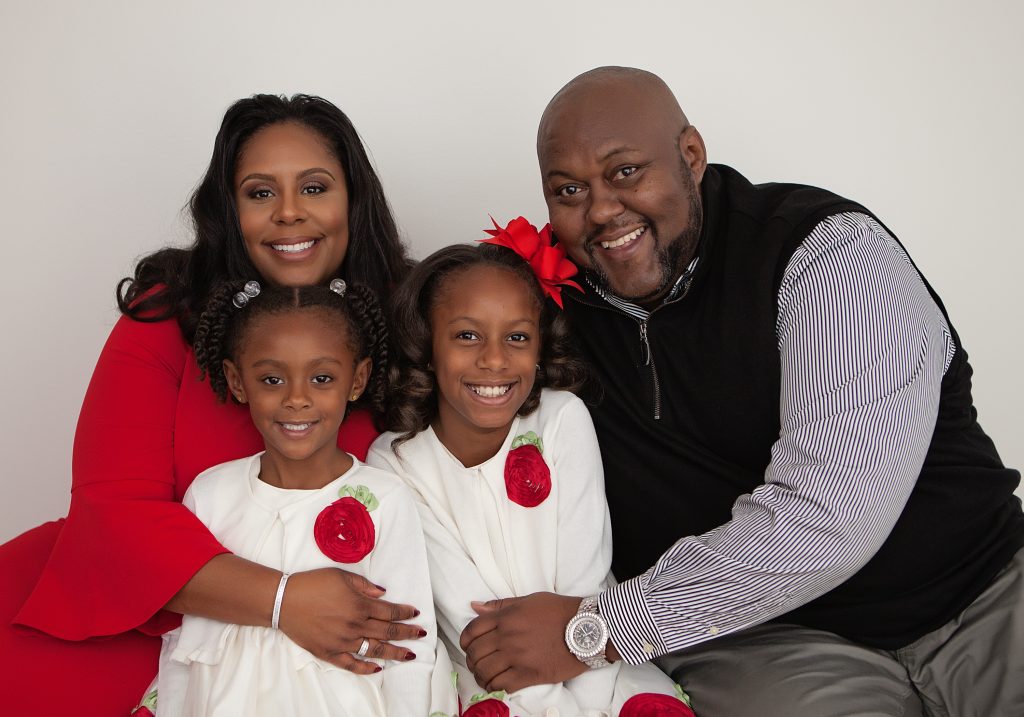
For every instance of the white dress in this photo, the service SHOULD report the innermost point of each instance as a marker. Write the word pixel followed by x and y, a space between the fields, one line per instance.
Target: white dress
pixel 213 668
pixel 481 545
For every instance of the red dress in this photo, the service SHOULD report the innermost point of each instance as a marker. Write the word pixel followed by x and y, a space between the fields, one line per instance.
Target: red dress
pixel 81 602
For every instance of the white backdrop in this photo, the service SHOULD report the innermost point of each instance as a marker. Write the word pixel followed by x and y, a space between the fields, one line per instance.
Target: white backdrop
pixel 109 110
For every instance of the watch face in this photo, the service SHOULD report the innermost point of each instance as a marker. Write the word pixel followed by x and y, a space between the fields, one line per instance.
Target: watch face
pixel 588 635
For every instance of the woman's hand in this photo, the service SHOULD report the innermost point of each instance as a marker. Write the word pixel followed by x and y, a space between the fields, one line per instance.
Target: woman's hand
pixel 331 611
pixel 327 611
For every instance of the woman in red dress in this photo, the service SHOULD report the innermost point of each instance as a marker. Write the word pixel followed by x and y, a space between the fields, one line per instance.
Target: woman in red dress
pixel 289 198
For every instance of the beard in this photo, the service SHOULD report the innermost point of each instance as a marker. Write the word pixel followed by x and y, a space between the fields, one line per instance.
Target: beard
pixel 672 256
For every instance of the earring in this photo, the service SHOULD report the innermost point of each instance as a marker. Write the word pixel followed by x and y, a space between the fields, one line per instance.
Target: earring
pixel 355 396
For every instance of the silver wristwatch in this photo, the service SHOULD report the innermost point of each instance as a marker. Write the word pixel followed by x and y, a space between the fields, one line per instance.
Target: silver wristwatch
pixel 586 635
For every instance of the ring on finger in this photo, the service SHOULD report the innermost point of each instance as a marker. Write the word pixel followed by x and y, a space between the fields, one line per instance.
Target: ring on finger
pixel 364 647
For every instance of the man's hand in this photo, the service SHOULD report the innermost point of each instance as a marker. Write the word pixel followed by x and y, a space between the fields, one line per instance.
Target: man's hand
pixel 519 642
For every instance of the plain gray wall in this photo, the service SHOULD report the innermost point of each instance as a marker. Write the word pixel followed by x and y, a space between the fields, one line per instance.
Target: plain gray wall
pixel 110 109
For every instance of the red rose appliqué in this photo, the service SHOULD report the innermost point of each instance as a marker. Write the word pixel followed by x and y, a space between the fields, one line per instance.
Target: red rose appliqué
pixel 344 531
pixel 487 708
pixel 652 704
pixel 527 476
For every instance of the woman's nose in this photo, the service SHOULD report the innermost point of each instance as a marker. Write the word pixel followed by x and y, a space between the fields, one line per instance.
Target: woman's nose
pixel 289 209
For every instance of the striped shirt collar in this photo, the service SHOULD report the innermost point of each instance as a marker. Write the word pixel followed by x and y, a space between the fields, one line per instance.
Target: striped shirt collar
pixel 678 291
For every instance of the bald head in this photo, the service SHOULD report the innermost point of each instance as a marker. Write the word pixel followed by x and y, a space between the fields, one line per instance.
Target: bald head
pixel 604 88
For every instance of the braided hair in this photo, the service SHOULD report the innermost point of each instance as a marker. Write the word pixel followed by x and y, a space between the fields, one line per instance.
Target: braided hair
pixel 220 332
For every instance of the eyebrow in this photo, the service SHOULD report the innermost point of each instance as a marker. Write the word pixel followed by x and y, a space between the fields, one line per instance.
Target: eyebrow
pixel 271 177
pixel 603 158
pixel 276 363
pixel 471 320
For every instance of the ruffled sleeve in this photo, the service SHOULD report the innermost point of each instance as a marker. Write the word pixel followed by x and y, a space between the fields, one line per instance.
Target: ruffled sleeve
pixel 128 545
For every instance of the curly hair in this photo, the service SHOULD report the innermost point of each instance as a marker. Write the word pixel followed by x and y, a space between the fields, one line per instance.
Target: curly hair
pixel 412 403
pixel 176 283
pixel 221 330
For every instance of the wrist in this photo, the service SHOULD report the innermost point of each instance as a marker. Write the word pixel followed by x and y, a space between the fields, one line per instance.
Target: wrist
pixel 275 615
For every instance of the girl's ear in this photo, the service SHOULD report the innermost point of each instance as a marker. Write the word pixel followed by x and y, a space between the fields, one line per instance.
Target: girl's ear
pixel 360 377
pixel 234 377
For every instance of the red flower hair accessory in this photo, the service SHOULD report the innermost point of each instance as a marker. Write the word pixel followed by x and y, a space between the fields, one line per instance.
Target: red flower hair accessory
pixel 547 260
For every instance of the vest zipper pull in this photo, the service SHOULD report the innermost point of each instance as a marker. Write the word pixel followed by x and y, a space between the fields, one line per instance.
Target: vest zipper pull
pixel 643 342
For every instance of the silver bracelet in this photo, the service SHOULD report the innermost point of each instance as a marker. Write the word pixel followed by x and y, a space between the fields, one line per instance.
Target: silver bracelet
pixel 275 618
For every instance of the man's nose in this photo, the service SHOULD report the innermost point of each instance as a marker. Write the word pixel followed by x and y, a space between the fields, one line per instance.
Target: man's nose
pixel 604 204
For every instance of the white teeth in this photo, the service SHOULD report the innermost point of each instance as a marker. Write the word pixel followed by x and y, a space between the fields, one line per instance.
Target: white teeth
pixel 293 248
pixel 623 239
pixel 490 391
pixel 295 426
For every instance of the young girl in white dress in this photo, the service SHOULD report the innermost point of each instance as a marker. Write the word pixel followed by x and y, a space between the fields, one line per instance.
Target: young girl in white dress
pixel 298 358
pixel 503 457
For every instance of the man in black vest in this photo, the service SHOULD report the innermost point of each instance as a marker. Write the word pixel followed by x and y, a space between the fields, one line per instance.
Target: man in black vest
pixel 808 519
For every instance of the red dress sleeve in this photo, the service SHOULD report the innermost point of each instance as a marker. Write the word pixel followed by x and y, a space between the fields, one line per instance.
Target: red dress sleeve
pixel 128 545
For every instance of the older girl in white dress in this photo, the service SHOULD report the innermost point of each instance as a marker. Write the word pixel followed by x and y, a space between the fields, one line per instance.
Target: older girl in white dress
pixel 503 457
pixel 298 358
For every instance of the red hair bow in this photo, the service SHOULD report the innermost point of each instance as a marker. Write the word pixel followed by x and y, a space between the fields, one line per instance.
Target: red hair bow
pixel 547 260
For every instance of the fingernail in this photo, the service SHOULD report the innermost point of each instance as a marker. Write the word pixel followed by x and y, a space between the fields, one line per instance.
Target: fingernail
pixel 377 669
pixel 410 656
pixel 416 614
pixel 422 633
pixel 381 588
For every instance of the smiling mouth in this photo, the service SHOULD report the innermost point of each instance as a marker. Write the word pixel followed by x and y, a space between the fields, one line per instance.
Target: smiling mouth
pixel 296 427
pixel 293 248
pixel 624 239
pixel 490 391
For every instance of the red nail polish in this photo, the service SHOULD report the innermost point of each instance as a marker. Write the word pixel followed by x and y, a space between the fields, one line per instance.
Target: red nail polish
pixel 423 633
pixel 380 587
pixel 377 669
pixel 410 656
pixel 416 614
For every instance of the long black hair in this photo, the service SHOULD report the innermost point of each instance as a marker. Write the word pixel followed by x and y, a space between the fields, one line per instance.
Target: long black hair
pixel 220 330
pixel 175 283
pixel 412 403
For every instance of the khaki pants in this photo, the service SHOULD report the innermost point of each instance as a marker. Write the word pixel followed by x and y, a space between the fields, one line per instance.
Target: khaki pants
pixel 973 665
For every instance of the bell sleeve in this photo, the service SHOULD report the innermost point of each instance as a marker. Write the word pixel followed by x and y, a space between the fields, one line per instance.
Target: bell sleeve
pixel 128 545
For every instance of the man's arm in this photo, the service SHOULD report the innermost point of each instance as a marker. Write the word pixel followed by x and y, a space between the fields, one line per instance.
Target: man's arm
pixel 863 348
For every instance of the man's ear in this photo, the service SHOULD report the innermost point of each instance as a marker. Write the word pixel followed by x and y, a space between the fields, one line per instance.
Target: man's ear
pixel 360 377
pixel 234 377
pixel 691 149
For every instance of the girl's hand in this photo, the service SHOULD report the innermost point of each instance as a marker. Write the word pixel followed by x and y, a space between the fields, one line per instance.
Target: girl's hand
pixel 330 611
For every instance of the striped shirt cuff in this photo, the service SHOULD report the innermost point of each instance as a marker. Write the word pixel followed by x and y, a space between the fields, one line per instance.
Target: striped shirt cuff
pixel 633 629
